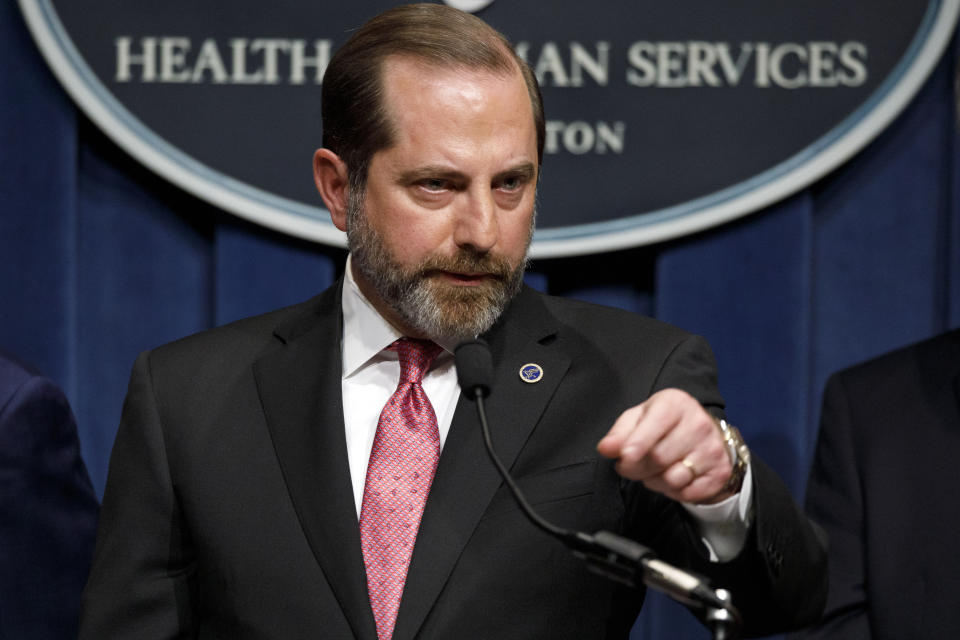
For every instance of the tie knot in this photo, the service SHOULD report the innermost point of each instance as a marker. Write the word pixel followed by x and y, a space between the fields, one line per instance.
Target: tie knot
pixel 416 356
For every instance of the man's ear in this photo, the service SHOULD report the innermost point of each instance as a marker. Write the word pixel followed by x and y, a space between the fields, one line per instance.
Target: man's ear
pixel 330 176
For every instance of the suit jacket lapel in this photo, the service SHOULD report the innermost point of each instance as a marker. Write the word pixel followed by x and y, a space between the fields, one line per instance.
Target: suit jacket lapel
pixel 300 389
pixel 466 479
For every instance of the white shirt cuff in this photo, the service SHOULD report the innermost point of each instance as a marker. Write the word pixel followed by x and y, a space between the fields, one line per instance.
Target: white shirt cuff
pixel 723 526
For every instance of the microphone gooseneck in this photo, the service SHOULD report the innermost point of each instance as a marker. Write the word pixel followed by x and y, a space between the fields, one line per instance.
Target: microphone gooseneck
pixel 475 374
pixel 608 554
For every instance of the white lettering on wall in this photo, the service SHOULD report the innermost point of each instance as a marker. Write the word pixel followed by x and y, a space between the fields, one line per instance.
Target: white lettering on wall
pixel 146 60
pixel 168 59
pixel 668 64
pixel 569 66
pixel 788 65
pixel 580 137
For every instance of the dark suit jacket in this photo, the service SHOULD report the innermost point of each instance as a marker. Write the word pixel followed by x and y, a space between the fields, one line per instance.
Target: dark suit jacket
pixel 229 511
pixel 48 511
pixel 884 485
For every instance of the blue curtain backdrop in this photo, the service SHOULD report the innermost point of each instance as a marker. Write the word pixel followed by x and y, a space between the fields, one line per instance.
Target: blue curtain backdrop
pixel 101 259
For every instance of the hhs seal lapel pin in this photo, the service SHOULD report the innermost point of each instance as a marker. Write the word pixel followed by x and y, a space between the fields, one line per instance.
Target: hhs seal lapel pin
pixel 531 372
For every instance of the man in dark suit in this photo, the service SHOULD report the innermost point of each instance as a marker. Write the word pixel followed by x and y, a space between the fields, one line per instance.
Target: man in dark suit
pixel 48 510
pixel 257 489
pixel 882 486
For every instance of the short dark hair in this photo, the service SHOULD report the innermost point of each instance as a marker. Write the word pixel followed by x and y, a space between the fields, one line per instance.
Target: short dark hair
pixel 355 121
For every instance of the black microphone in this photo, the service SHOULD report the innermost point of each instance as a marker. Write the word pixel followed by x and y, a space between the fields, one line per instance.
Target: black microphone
pixel 607 554
pixel 474 367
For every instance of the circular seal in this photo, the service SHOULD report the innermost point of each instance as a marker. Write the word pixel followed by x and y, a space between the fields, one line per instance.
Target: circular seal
pixel 625 102
pixel 531 372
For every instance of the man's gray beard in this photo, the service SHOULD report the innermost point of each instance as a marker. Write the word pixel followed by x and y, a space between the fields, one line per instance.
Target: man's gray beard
pixel 431 307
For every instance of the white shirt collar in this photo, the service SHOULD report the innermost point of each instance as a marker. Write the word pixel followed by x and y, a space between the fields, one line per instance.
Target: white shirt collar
pixel 365 332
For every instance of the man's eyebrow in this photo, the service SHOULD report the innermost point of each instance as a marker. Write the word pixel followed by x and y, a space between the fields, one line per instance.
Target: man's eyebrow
pixel 428 172
pixel 525 170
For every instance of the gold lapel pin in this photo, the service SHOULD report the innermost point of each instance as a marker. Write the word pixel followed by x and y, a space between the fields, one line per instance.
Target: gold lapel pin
pixel 531 372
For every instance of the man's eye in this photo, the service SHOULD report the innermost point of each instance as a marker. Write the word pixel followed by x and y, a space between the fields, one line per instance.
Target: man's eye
pixel 511 183
pixel 434 184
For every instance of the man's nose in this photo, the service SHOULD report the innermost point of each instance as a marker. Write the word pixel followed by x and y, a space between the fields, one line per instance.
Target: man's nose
pixel 477 225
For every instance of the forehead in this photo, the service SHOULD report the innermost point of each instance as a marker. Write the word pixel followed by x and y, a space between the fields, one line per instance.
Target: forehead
pixel 427 103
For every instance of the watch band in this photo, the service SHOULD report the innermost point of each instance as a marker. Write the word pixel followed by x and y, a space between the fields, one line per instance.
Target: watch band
pixel 739 454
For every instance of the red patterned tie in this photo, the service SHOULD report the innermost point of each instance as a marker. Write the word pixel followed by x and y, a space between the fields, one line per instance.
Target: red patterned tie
pixel 402 461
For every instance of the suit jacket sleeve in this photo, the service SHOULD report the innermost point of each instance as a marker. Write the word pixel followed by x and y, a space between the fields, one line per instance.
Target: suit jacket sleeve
pixel 834 499
pixel 48 511
pixel 143 566
pixel 779 578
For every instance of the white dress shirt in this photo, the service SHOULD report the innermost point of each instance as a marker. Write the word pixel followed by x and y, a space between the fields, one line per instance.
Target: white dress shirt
pixel 370 375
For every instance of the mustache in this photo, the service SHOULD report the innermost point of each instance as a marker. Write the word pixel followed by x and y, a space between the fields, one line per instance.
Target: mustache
pixel 465 261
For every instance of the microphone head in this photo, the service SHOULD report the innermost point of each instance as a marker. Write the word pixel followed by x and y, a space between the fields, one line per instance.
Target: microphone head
pixel 474 368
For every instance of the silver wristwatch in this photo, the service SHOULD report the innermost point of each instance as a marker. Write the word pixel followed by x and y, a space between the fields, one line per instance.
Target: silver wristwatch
pixel 739 454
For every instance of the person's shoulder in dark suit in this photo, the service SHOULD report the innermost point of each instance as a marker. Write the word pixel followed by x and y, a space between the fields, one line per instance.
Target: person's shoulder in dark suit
pixel 48 509
pixel 881 485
